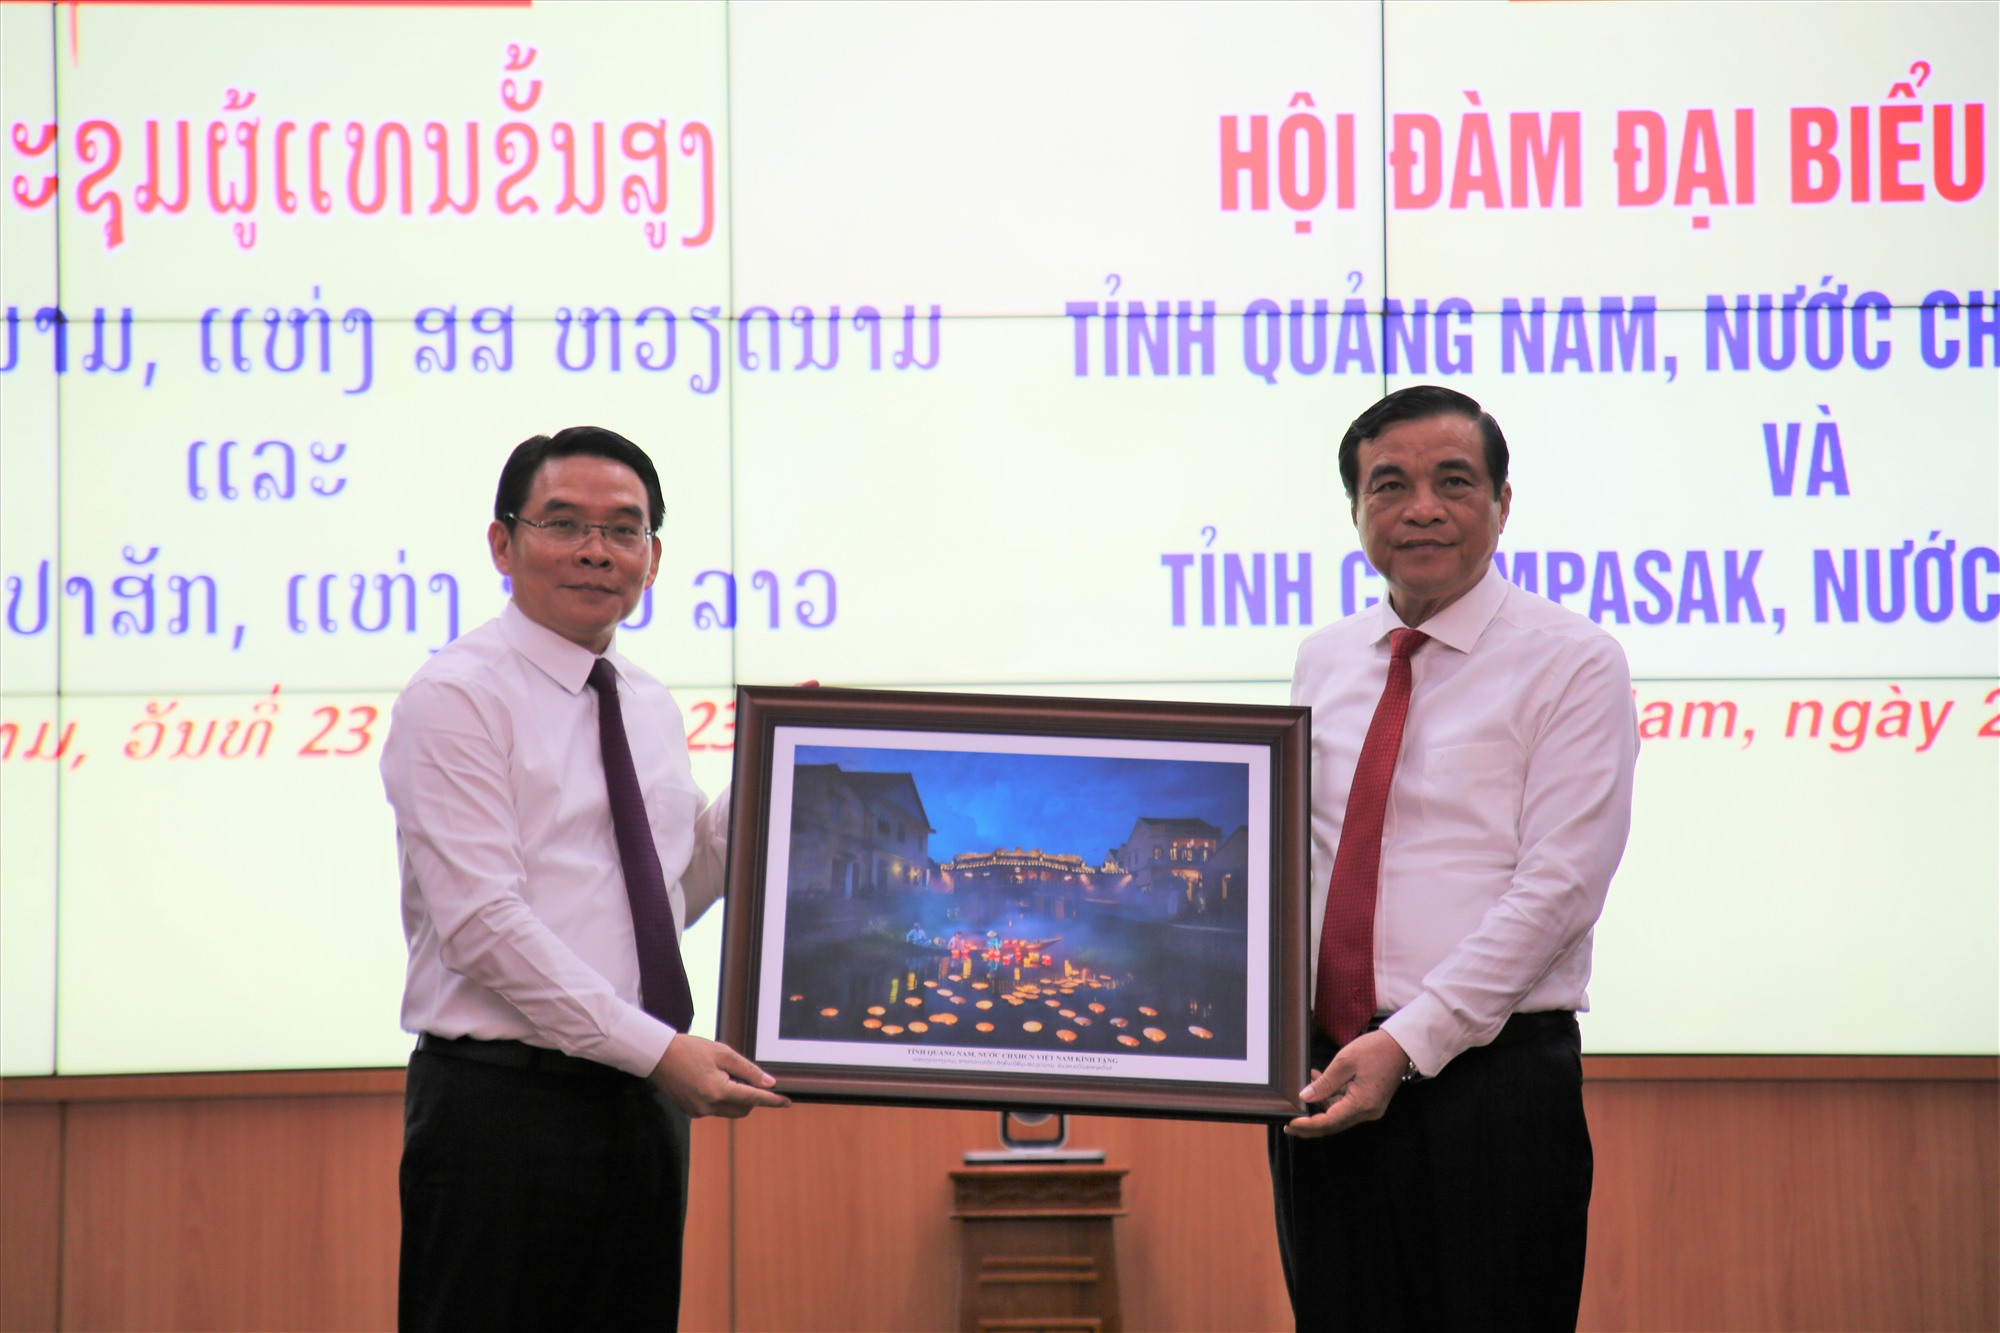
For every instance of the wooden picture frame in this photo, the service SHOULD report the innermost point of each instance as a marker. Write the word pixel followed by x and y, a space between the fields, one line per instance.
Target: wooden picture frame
pixel 1162 975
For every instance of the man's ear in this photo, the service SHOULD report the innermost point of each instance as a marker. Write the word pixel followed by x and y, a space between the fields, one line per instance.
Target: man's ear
pixel 500 541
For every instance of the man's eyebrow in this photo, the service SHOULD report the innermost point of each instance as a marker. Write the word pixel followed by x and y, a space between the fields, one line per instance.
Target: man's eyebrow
pixel 556 505
pixel 1385 470
pixel 1455 465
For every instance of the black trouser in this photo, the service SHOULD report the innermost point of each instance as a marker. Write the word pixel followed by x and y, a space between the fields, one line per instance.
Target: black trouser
pixel 542 1193
pixel 1464 1208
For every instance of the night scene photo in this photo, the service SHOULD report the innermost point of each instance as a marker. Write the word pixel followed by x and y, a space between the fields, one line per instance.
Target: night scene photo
pixel 973 899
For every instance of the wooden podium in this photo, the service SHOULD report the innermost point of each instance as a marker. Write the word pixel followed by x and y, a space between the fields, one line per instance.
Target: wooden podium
pixel 1035 1248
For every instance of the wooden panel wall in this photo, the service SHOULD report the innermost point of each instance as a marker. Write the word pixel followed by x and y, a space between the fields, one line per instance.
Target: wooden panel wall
pixel 229 1214
pixel 1787 1195
pixel 844 1220
pixel 30 1213
pixel 1818 1205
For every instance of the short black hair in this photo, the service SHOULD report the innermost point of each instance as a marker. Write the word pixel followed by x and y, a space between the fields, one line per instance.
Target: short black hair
pixel 1420 402
pixel 518 477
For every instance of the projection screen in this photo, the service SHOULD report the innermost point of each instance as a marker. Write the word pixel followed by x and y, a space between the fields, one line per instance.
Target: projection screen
pixel 994 347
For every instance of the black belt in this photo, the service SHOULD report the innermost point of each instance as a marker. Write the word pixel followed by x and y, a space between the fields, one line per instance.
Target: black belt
pixel 1517 1028
pixel 1526 1025
pixel 518 1055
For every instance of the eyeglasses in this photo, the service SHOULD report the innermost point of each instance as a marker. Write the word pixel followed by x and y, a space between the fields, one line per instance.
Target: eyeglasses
pixel 569 532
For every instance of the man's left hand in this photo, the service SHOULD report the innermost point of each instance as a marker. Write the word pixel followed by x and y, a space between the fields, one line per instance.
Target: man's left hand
pixel 704 1077
pixel 1355 1088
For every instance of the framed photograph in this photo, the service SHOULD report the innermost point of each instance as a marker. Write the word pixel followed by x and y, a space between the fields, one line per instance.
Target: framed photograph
pixel 1023 903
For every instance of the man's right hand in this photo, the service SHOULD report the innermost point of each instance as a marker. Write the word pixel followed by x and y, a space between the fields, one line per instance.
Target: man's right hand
pixel 705 1077
pixel 1356 1087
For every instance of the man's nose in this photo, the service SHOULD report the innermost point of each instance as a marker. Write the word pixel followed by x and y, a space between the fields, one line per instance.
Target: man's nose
pixel 595 548
pixel 1426 505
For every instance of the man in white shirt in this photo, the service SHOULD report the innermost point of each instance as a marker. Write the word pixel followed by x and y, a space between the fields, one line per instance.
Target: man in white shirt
pixel 1441 1177
pixel 544 1174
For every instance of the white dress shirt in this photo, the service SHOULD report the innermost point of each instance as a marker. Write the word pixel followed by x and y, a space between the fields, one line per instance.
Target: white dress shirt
pixel 1507 814
pixel 514 899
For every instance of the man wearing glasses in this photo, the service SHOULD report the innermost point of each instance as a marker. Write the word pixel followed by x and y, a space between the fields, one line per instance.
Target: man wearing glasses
pixel 553 844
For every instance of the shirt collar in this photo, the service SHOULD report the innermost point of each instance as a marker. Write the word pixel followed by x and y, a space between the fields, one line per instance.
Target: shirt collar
pixel 567 664
pixel 1459 625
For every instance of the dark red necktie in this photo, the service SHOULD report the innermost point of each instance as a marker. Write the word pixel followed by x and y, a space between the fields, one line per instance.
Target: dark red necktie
pixel 1344 998
pixel 663 983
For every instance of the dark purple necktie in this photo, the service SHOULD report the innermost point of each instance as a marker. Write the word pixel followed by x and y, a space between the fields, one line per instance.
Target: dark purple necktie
pixel 663 983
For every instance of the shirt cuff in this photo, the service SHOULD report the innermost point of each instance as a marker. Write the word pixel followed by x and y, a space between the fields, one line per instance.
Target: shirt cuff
pixel 636 1042
pixel 1428 1033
